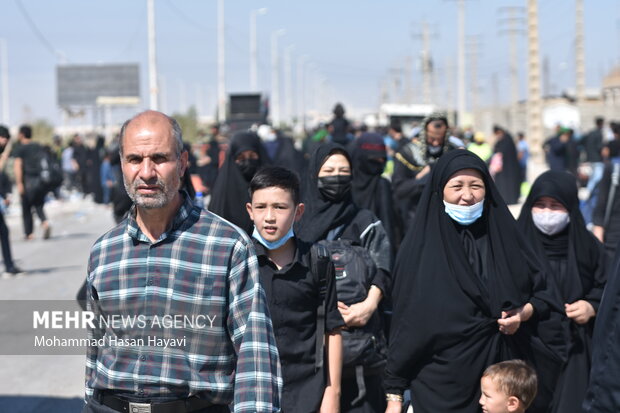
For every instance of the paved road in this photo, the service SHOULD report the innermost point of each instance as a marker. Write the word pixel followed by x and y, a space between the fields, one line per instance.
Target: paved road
pixel 56 268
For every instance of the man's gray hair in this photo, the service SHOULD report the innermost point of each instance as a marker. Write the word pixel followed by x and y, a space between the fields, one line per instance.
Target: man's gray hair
pixel 174 126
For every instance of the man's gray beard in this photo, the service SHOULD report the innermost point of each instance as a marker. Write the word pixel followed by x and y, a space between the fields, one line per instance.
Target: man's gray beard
pixel 154 201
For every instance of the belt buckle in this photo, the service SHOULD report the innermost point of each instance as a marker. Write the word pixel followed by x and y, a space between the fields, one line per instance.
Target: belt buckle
pixel 139 407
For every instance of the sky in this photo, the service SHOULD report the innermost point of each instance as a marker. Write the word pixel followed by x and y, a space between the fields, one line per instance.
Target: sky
pixel 352 48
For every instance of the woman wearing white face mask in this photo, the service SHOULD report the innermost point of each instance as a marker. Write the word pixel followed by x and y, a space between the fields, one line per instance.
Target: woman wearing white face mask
pixel 574 261
pixel 468 292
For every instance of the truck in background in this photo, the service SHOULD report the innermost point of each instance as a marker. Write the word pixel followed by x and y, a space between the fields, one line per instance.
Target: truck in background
pixel 245 110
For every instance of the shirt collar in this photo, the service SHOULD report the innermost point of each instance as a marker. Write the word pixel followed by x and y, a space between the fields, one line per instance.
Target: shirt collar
pixel 134 231
pixel 261 253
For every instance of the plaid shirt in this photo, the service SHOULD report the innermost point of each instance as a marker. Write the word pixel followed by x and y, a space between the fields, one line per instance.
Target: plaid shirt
pixel 201 266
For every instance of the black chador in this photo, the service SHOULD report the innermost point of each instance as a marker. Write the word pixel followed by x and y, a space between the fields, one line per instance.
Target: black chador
pixel 575 262
pixel 452 283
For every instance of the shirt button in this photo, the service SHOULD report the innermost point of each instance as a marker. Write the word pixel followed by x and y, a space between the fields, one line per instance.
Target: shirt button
pixel 143 358
pixel 150 282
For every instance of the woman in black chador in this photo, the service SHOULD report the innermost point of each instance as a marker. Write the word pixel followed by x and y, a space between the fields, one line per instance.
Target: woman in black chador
pixel 230 192
pixel 468 292
pixel 552 223
pixel 331 214
pixel 370 190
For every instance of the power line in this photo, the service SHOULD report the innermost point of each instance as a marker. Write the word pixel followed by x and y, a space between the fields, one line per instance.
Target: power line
pixel 187 18
pixel 36 30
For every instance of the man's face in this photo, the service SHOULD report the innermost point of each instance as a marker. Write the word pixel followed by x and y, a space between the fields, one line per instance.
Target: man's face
pixel 436 132
pixel 151 169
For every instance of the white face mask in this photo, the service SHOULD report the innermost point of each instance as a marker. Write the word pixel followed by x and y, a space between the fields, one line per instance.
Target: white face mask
pixel 266 133
pixel 550 223
pixel 464 214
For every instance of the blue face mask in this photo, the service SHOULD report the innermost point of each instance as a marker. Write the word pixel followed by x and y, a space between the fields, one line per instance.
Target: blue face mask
pixel 464 214
pixel 273 245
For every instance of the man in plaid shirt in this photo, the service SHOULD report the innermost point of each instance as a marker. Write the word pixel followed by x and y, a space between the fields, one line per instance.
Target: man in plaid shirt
pixel 186 325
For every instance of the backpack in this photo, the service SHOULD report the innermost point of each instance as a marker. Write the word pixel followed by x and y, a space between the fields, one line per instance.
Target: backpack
pixel 364 349
pixel 50 171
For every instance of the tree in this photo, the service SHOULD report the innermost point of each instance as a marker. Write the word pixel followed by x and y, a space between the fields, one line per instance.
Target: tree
pixel 42 132
pixel 189 124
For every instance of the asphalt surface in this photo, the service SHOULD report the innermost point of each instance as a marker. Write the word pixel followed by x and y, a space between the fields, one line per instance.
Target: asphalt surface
pixel 55 269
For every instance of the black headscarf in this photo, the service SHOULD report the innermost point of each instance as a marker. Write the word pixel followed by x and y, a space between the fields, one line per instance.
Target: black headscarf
pixel 575 243
pixel 370 190
pixel 451 284
pixel 230 192
pixel 508 181
pixel 366 170
pixel 575 264
pixel 322 215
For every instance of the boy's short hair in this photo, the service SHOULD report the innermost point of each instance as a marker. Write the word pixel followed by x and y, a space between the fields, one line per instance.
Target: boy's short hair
pixel 276 176
pixel 514 378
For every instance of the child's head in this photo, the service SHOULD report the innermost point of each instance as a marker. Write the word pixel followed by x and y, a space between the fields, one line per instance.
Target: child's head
pixel 275 202
pixel 509 386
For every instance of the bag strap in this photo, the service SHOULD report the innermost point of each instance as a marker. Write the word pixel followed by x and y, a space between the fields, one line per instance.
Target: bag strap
pixel 319 263
pixel 615 179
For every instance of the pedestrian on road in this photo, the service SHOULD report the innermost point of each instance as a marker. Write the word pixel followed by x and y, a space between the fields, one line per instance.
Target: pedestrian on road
pixel 574 261
pixel 5 193
pixel 468 292
pixel 245 156
pixel 332 215
pixel 168 258
pixel 30 185
pixel 300 291
pixel 413 163
pixel 603 394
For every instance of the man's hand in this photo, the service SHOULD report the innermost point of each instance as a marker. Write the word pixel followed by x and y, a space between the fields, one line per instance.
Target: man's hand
pixel 580 311
pixel 423 172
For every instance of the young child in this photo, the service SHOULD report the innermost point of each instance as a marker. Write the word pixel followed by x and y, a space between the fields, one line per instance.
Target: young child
pixel 509 386
pixel 294 296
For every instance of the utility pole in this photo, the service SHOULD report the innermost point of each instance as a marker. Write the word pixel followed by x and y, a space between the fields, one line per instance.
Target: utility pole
pixel 408 80
pixel 301 91
pixel 4 57
pixel 163 93
pixel 221 67
pixel 426 64
pixel 546 80
pixel 449 76
pixel 461 63
pixel 473 43
pixel 534 101
pixel 580 65
pixel 275 79
pixel 254 49
pixel 396 74
pixel 199 99
pixel 153 87
pixel 182 97
pixel 288 85
pixel 514 22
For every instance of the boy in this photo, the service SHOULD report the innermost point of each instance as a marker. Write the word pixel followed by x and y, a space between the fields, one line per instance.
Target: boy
pixel 294 295
pixel 509 386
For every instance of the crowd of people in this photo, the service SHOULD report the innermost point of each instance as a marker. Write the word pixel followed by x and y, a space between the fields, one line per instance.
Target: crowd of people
pixel 363 271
